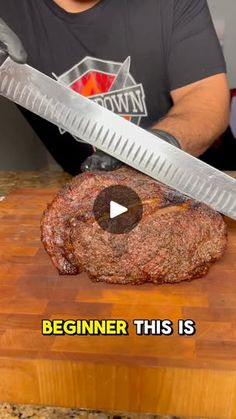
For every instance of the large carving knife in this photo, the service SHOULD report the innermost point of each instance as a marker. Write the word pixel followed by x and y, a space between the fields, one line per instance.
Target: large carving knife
pixel 116 136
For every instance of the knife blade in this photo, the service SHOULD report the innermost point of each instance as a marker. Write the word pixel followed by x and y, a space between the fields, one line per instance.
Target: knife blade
pixel 117 137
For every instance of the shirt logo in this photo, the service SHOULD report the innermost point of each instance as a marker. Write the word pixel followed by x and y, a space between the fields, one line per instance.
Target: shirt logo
pixel 109 84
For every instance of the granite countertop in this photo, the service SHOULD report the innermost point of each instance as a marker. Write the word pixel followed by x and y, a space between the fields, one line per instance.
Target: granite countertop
pixel 10 181
pixel 13 411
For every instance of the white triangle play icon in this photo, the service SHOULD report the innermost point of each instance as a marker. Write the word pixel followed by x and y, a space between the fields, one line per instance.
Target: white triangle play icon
pixel 116 209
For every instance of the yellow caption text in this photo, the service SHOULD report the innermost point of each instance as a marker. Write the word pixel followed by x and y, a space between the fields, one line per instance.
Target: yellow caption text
pixel 117 327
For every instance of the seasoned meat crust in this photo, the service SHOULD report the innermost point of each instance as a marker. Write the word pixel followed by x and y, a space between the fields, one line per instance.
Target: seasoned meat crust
pixel 176 240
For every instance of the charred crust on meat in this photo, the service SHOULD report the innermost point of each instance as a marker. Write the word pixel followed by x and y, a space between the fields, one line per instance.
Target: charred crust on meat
pixel 177 239
pixel 172 197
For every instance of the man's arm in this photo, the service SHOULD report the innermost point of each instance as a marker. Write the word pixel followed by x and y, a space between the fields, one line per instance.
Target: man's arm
pixel 199 115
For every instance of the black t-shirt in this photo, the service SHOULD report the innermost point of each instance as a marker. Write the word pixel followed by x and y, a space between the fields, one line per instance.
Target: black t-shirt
pixel 127 55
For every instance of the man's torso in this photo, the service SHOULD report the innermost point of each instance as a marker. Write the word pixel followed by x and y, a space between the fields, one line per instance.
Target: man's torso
pixel 86 51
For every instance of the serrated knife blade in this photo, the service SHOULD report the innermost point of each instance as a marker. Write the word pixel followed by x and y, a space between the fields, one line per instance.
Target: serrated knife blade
pixel 117 137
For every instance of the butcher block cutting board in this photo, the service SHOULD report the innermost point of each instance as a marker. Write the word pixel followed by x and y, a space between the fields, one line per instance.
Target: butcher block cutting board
pixel 193 376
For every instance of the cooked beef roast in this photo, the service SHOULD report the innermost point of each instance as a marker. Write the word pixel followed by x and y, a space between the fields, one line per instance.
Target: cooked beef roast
pixel 176 240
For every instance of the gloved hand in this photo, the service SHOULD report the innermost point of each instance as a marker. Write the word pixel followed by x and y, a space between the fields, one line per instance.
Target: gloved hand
pixel 102 161
pixel 165 136
pixel 10 45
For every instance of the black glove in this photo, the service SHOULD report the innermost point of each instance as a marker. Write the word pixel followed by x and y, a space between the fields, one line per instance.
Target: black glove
pixel 102 161
pixel 165 136
pixel 10 45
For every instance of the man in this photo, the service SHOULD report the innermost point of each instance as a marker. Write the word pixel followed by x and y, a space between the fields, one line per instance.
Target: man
pixel 156 62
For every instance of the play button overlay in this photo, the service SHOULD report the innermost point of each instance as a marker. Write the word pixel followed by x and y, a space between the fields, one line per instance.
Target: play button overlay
pixel 118 209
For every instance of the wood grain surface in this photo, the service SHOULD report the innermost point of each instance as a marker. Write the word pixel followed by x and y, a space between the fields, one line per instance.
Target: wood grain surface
pixel 188 376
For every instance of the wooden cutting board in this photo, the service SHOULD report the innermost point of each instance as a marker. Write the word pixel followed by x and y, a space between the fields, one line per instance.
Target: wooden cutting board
pixel 179 375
